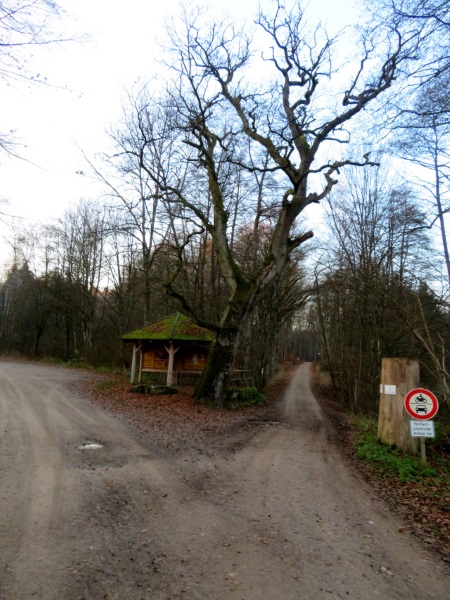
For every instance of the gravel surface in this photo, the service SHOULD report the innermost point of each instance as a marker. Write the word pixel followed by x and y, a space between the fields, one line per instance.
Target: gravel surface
pixel 176 501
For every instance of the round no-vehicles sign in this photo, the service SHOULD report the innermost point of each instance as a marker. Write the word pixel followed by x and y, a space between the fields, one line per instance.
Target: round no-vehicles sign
pixel 421 404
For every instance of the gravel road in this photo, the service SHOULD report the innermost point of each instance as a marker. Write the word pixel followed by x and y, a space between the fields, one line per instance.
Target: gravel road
pixel 283 517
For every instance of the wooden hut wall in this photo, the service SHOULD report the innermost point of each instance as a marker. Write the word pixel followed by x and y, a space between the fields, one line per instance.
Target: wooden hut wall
pixel 190 358
pixel 195 359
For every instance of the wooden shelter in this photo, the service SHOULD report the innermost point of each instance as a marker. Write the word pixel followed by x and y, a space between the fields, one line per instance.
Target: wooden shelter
pixel 172 345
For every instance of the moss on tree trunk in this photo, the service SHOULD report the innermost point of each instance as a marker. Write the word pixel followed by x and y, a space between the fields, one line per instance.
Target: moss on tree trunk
pixel 216 375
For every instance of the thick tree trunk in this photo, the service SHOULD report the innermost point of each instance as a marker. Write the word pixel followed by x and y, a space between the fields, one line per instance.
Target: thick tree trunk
pixel 219 367
pixel 37 338
pixel 216 375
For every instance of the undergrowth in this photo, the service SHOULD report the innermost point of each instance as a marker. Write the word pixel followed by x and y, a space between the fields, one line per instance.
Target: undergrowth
pixel 392 461
pixel 244 396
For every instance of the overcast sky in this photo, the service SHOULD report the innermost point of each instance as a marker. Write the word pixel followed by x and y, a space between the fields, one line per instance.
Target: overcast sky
pixel 88 79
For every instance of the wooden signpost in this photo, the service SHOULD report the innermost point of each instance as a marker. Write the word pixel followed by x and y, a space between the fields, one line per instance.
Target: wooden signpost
pixel 405 408
pixel 398 376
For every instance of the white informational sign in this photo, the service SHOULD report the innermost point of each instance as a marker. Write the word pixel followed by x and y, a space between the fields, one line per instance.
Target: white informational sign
pixel 422 429
pixel 390 389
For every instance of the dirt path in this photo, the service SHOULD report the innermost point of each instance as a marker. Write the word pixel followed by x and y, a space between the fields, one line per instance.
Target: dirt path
pixel 282 518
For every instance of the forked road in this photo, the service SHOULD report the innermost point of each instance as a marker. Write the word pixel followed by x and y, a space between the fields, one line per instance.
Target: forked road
pixel 282 518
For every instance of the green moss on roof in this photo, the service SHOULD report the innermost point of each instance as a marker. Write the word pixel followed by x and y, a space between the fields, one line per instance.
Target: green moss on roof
pixel 173 327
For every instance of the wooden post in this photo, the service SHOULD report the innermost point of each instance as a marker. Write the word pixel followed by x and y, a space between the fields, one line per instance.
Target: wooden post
pixel 136 348
pixel 398 377
pixel 171 351
pixel 133 363
pixel 141 358
pixel 423 452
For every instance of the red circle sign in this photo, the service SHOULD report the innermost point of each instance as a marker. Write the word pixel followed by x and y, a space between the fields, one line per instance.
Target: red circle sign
pixel 421 404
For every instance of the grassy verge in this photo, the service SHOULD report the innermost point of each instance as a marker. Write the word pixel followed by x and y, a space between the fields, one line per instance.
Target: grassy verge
pixel 392 461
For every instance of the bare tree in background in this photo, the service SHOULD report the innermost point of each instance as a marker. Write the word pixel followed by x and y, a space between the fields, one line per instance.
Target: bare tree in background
pixel 427 24
pixel 422 137
pixel 135 196
pixel 24 27
pixel 80 237
pixel 375 258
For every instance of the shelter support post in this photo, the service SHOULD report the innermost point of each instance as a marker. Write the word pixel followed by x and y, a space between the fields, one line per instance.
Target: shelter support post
pixel 141 357
pixel 171 351
pixel 136 348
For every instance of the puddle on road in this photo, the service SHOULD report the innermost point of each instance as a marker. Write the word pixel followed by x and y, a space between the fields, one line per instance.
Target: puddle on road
pixel 90 446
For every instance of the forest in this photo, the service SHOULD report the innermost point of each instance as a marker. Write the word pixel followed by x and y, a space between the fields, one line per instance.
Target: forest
pixel 207 204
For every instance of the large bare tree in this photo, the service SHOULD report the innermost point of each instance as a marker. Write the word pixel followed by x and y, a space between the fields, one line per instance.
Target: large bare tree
pixel 284 122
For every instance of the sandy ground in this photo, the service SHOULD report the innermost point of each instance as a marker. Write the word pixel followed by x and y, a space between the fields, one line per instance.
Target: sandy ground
pixel 282 517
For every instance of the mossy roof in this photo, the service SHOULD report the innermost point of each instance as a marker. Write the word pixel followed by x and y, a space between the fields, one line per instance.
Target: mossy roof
pixel 173 327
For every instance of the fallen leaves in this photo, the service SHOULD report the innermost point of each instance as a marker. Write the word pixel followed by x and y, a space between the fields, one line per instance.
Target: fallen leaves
pixel 424 506
pixel 175 425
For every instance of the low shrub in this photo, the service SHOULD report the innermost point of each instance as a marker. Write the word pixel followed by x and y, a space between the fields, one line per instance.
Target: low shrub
pixel 244 396
pixel 390 459
pixel 394 461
